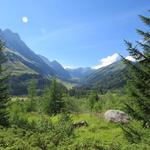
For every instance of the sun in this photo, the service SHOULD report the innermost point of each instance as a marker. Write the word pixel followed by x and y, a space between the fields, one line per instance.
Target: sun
pixel 25 19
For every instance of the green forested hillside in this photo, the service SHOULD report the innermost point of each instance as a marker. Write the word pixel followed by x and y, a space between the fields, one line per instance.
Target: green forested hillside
pixel 111 77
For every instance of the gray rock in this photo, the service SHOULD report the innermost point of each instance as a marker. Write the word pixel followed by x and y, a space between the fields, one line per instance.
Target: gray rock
pixel 116 116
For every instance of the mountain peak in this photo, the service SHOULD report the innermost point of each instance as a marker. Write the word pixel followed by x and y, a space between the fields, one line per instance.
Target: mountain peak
pixel 7 30
pixel 55 62
pixel 10 33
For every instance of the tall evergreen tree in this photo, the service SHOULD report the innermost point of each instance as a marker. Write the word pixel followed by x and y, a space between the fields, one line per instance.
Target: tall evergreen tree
pixel 138 87
pixel 93 99
pixel 4 95
pixel 54 101
pixel 32 94
pixel 32 90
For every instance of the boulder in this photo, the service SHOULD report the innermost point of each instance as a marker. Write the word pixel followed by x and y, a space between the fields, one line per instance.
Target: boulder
pixel 116 116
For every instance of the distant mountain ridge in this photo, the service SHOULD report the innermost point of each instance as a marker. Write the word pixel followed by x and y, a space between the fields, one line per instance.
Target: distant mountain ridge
pixel 60 71
pixel 80 73
pixel 110 77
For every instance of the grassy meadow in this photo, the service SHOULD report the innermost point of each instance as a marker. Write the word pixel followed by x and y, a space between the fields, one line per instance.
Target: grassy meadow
pixel 36 130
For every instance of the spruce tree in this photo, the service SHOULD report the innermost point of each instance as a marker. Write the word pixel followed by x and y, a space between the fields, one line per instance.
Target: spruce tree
pixel 4 95
pixel 138 85
pixel 54 101
pixel 32 94
pixel 93 99
pixel 32 89
pixel 139 77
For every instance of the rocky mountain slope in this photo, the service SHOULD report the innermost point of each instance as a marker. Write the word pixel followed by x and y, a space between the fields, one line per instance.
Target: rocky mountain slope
pixel 19 53
pixel 58 68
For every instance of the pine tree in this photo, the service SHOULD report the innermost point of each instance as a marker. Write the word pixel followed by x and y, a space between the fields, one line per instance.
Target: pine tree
pixel 4 95
pixel 139 77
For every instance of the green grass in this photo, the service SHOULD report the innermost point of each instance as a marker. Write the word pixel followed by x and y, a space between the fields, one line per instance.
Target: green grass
pixel 98 135
pixel 97 130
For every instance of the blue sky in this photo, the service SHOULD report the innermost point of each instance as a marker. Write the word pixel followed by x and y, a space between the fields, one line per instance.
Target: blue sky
pixel 75 32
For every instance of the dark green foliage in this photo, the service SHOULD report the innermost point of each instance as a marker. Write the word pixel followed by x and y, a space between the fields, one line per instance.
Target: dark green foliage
pixel 132 134
pixel 93 99
pixel 135 133
pixel 53 102
pixel 63 129
pixel 19 85
pixel 4 96
pixel 32 90
pixel 112 101
pixel 138 87
pixel 139 78
pixel 32 95
pixel 71 104
pixel 18 109
pixel 145 19
pixel 79 92
pixel 40 134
